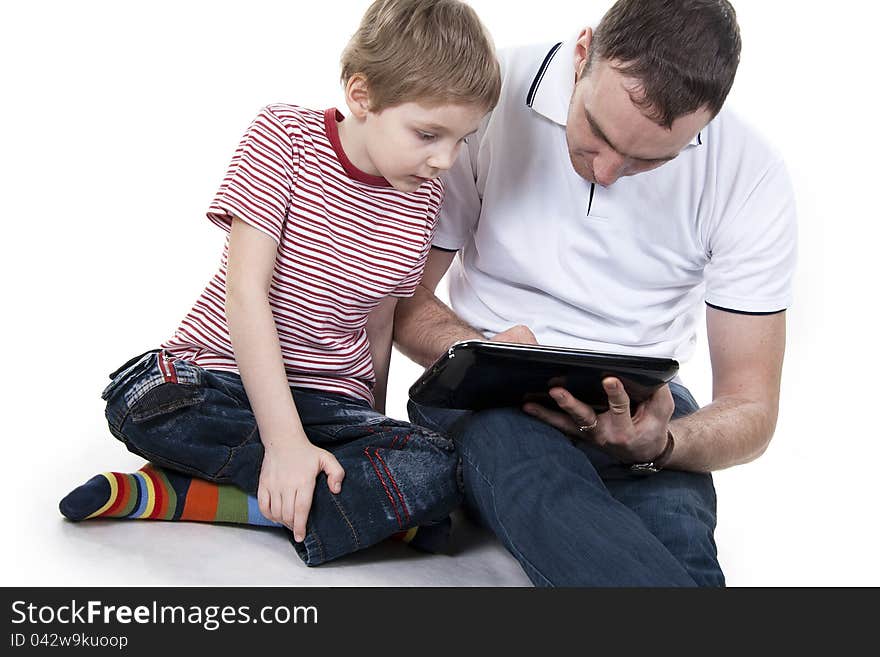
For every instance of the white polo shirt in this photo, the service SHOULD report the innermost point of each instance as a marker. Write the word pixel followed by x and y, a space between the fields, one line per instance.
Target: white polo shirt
pixel 624 268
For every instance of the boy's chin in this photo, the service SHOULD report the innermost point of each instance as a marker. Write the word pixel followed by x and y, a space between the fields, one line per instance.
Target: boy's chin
pixel 406 184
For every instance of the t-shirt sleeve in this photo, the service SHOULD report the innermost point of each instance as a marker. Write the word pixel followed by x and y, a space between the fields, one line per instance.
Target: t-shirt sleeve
pixel 258 183
pixel 460 211
pixel 752 255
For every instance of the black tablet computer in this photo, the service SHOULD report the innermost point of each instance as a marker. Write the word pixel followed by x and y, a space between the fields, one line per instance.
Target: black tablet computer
pixel 477 375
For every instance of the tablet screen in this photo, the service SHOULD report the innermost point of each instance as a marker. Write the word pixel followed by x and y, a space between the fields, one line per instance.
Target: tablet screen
pixel 476 375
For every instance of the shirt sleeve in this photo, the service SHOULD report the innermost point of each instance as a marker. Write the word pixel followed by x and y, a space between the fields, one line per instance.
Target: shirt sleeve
pixel 258 183
pixel 752 255
pixel 462 203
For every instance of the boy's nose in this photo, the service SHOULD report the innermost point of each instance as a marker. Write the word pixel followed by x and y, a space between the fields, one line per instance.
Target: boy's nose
pixel 443 160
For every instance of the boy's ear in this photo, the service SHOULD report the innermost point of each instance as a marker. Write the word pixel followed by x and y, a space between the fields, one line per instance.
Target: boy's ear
pixel 357 95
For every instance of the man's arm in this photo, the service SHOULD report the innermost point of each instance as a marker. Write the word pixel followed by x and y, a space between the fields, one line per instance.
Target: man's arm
pixel 425 327
pixel 379 329
pixel 746 353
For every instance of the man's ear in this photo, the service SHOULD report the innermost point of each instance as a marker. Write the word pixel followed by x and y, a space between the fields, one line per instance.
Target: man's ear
pixel 582 51
pixel 357 95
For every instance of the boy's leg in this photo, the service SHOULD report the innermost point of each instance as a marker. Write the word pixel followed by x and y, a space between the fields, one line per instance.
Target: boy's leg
pixel 154 493
pixel 397 477
pixel 197 422
pixel 189 421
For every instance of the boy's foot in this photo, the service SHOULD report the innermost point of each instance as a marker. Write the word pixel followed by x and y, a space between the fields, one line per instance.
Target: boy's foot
pixel 154 493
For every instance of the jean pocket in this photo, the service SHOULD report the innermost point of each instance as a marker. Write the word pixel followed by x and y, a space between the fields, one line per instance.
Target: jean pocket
pixel 167 386
pixel 127 373
pixel 164 399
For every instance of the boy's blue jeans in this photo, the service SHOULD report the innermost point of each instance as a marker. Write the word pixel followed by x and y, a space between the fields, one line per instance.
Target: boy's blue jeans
pixel 199 422
pixel 570 514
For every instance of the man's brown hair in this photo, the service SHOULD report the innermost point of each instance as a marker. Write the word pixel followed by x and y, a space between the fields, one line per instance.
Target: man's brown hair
pixel 427 51
pixel 683 53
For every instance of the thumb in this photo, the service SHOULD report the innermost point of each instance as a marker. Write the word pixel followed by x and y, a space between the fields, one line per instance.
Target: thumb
pixel 335 473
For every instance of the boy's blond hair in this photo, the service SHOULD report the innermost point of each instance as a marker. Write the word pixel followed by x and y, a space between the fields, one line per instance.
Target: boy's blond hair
pixel 428 51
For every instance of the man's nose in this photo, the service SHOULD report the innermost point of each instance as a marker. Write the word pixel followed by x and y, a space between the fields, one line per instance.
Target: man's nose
pixel 607 168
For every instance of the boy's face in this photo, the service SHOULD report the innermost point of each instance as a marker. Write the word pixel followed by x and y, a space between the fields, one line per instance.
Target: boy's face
pixel 411 143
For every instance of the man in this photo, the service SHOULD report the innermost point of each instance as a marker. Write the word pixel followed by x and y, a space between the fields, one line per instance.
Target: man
pixel 601 203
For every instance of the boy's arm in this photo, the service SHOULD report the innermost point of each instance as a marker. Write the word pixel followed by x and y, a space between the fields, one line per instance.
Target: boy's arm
pixel 380 325
pixel 291 463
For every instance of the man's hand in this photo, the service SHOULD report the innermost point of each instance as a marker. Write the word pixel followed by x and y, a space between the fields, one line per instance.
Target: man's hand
pixel 519 334
pixel 636 439
pixel 287 482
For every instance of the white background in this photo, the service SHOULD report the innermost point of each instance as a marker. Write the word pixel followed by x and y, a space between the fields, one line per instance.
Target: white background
pixel 118 120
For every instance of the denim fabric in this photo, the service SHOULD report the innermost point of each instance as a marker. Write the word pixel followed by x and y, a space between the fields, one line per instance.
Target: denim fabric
pixel 572 515
pixel 199 422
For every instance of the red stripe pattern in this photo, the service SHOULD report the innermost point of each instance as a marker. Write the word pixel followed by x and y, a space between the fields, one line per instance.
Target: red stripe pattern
pixel 345 241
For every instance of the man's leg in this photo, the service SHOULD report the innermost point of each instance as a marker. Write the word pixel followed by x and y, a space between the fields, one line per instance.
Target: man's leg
pixel 545 501
pixel 676 507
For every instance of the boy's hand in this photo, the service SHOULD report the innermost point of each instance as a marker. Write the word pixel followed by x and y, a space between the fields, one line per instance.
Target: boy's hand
pixel 287 482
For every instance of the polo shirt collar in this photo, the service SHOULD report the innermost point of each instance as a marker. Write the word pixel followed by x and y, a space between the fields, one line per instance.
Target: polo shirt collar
pixel 551 89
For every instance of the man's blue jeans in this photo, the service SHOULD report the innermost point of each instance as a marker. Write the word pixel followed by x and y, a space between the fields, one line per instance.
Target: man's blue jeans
pixel 199 422
pixel 570 514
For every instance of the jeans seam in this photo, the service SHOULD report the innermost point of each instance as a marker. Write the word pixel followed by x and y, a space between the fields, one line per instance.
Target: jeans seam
pixel 319 544
pixel 518 553
pixel 393 482
pixel 354 534
pixel 233 450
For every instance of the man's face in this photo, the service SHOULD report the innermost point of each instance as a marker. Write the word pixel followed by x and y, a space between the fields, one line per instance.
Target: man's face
pixel 608 135
pixel 410 143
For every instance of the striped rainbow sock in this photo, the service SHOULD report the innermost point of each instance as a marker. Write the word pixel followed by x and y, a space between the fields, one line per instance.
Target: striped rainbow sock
pixel 154 493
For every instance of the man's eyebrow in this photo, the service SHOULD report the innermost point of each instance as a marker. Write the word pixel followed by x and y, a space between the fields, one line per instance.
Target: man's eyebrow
pixel 601 135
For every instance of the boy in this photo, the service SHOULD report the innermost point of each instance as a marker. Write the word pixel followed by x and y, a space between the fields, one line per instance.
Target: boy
pixel 275 381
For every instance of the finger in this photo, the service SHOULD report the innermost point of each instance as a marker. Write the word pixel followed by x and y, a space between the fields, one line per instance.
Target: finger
pixel 618 401
pixel 303 506
pixel 263 500
pixel 335 474
pixel 276 505
pixel 525 335
pixel 288 510
pixel 556 419
pixel 662 404
pixel 582 414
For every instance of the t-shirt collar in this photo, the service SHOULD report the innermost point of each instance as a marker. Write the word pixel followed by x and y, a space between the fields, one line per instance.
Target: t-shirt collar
pixel 331 116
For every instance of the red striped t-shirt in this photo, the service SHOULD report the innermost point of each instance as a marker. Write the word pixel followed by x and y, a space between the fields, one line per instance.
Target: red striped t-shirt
pixel 346 240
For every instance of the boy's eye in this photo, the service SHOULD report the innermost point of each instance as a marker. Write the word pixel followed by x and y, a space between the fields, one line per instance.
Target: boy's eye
pixel 425 136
